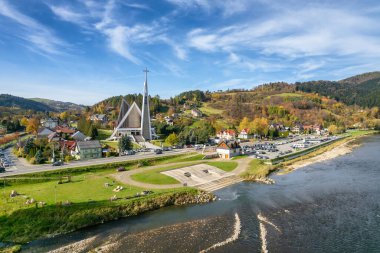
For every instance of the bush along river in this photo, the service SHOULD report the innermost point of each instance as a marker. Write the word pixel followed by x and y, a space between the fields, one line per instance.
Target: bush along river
pixel 332 206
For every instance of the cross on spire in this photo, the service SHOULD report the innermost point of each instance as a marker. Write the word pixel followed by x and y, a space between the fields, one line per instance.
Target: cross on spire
pixel 146 74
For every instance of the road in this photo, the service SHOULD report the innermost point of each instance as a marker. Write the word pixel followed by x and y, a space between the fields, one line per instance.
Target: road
pixel 19 167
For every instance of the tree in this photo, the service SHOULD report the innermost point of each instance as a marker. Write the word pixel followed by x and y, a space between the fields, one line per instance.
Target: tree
pixel 32 126
pixel 260 126
pixel 64 116
pixel 333 129
pixel 172 139
pixel 125 143
pixel 38 157
pixel 244 123
pixel 24 122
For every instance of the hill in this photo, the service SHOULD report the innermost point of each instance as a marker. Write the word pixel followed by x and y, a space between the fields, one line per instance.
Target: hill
pixel 59 105
pixel 7 100
pixel 363 90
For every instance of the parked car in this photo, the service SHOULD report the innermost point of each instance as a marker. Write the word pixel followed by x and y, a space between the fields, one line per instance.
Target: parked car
pixel 187 174
pixel 158 151
pixel 57 163
pixel 2 170
pixel 120 169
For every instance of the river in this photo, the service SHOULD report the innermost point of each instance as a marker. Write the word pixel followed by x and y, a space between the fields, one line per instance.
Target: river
pixel 332 206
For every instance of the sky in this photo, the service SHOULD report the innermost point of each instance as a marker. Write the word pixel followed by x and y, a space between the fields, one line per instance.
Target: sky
pixel 84 51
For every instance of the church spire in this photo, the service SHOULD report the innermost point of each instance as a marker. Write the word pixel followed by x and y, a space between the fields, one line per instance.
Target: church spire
pixel 146 131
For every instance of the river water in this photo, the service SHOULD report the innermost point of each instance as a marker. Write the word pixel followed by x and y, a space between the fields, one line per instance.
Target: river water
pixel 332 206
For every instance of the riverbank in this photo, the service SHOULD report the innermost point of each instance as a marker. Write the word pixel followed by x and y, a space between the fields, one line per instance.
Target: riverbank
pixel 336 149
pixel 258 171
pixel 25 225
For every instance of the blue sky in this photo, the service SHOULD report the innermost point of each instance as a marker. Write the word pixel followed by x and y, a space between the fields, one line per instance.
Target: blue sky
pixel 84 51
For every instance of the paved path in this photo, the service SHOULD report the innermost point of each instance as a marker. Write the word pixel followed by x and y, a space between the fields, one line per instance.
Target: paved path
pixel 212 185
pixel 20 169
pixel 125 177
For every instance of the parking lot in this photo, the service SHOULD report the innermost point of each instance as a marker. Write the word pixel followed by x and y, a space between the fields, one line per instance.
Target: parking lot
pixel 274 149
pixel 197 174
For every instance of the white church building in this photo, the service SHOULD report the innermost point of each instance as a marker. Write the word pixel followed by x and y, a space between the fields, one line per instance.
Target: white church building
pixel 133 121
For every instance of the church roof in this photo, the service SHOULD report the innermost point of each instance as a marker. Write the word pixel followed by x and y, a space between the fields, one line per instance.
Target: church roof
pixel 124 107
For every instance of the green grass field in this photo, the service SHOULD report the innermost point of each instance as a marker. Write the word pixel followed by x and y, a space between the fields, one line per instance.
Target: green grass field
pixel 284 95
pixel 83 188
pixel 226 166
pixel 155 177
pixel 104 134
pixel 257 169
pixel 208 110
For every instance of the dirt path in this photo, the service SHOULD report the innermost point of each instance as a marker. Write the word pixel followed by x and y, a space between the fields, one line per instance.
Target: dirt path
pixel 243 164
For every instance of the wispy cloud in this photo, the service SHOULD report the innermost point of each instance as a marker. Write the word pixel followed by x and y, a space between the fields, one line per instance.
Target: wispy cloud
pixel 67 14
pixel 303 33
pixel 38 35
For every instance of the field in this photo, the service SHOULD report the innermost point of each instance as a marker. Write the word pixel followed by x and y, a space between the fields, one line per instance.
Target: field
pixel 104 134
pixel 226 166
pixel 257 169
pixel 83 201
pixel 155 177
pixel 208 110
pixel 284 95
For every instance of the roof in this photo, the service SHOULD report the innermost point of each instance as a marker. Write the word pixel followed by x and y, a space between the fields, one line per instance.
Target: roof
pixel 229 132
pixel 79 136
pixel 88 144
pixel 65 130
pixel 228 145
pixel 45 131
pixel 68 144
pixel 245 130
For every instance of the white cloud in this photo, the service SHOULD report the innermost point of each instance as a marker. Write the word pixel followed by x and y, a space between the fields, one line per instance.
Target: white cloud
pixel 118 42
pixel 300 33
pixel 41 37
pixel 227 8
pixel 67 14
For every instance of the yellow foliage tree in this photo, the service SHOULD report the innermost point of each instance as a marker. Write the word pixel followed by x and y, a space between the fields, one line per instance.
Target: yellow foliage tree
pixel 32 126
pixel 24 122
pixel 244 123
pixel 333 129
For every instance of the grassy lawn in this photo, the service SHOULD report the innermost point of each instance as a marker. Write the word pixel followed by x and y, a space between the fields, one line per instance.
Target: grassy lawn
pixel 104 134
pixel 115 144
pixel 257 169
pixel 226 166
pixel 206 109
pixel 284 95
pixel 83 188
pixel 155 177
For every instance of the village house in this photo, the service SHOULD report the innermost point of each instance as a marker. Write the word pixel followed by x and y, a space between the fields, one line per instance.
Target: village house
pixel 68 146
pixel 228 149
pixel 226 134
pixel 298 128
pixel 169 120
pixel 50 123
pixel 79 136
pixel 100 118
pixel 87 150
pixel 244 134
pixel 196 113
pixel 44 132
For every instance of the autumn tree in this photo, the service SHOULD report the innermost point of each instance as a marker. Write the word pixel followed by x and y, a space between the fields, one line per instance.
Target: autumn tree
pixel 260 126
pixel 172 139
pixel 333 129
pixel 24 122
pixel 245 123
pixel 32 126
